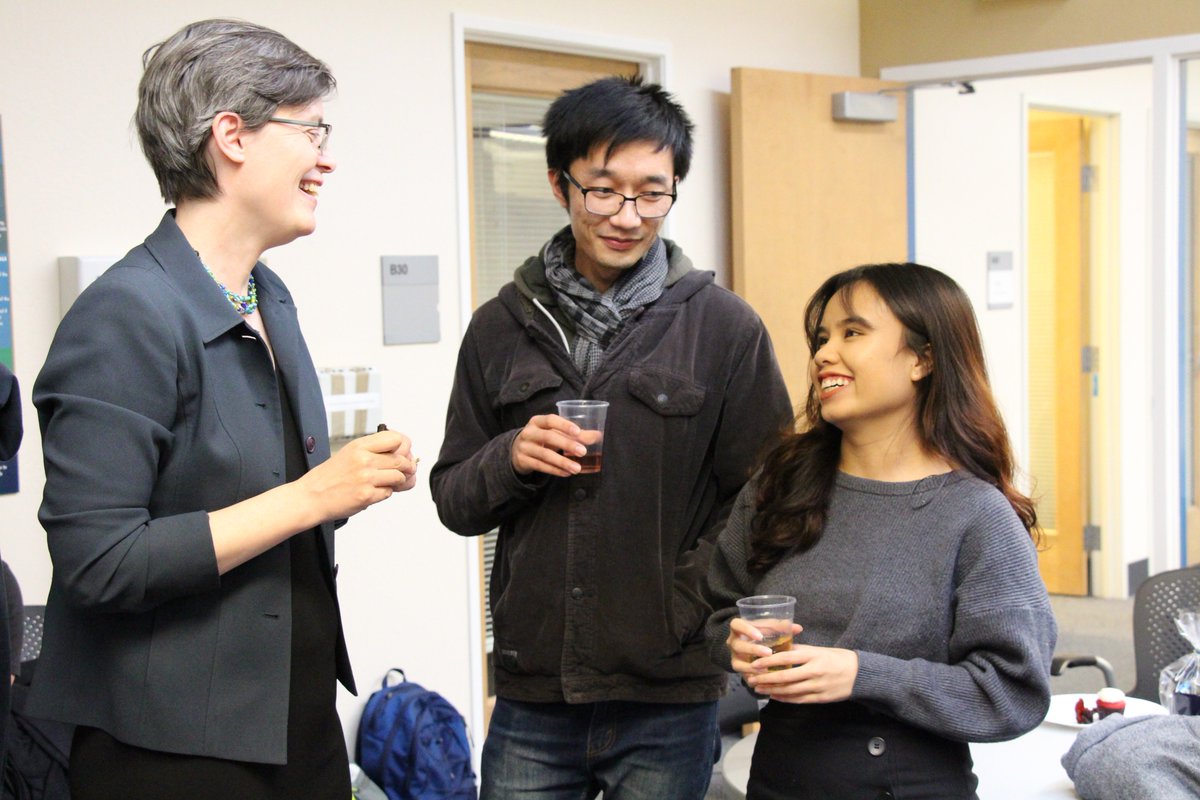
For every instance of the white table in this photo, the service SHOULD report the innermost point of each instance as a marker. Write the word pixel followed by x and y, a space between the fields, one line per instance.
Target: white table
pixel 1027 767
pixel 735 767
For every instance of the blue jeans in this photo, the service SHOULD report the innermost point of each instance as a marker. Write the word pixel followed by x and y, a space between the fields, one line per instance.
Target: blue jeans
pixel 630 751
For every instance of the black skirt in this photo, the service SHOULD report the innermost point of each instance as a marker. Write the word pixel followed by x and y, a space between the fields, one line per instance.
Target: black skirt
pixel 845 751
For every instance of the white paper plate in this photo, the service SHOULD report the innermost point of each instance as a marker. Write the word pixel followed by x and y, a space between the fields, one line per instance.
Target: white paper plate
pixel 1062 708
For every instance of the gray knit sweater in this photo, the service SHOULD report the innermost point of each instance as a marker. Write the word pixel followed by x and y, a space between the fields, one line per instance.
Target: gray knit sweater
pixel 934 583
pixel 1137 758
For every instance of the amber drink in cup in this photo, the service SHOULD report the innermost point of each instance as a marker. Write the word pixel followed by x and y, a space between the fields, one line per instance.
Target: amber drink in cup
pixel 772 614
pixel 589 415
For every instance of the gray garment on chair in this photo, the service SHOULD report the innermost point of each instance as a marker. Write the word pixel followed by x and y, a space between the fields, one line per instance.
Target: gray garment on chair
pixel 1124 758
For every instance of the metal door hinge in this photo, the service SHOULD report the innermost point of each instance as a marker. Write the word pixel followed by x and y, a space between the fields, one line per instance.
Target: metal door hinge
pixel 1091 537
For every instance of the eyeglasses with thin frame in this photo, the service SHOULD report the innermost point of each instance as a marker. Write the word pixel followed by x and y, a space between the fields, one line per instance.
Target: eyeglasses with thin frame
pixel 318 132
pixel 606 202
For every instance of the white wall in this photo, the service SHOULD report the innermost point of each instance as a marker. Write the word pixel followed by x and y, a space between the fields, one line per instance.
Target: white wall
pixel 969 168
pixel 77 185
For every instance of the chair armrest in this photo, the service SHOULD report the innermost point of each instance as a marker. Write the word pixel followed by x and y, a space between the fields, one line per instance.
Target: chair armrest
pixel 1064 661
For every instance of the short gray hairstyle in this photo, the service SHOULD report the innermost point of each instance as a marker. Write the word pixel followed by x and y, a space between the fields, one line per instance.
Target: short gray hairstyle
pixel 206 68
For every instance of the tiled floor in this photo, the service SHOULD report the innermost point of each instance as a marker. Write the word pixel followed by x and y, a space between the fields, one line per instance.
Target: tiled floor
pixel 1096 626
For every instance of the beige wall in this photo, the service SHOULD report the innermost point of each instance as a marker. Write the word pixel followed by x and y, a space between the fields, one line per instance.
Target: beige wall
pixel 901 32
pixel 77 185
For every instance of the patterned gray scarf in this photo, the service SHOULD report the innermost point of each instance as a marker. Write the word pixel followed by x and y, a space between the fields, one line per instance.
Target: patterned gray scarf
pixel 599 317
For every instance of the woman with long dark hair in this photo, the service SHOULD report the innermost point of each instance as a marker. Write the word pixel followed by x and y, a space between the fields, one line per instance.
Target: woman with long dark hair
pixel 892 517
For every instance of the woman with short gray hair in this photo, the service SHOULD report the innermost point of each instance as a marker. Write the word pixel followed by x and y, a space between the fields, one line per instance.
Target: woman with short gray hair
pixel 192 629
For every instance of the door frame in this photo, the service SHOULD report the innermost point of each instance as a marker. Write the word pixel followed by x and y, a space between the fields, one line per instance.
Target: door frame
pixel 1165 519
pixel 652 56
pixel 654 59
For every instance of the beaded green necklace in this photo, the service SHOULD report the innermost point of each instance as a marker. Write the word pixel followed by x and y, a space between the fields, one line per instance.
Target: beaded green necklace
pixel 245 304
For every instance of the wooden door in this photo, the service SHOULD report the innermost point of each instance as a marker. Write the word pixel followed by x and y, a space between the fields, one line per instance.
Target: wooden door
pixel 1058 391
pixel 810 197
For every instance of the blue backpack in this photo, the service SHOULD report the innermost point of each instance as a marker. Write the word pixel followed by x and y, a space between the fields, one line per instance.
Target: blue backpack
pixel 414 744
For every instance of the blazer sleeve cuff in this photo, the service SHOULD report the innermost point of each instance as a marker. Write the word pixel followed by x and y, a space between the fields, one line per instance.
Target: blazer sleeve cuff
pixel 182 560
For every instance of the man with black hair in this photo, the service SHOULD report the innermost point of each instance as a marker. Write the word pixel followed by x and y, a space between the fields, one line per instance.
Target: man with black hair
pixel 602 676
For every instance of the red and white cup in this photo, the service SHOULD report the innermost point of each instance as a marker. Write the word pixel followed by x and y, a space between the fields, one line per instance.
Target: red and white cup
pixel 1109 701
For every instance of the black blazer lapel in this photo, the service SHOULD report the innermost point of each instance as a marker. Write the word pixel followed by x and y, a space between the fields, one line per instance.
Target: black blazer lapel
pixel 294 366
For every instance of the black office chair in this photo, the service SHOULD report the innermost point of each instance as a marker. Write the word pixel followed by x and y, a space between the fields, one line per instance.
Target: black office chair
pixel 31 646
pixel 39 750
pixel 1156 640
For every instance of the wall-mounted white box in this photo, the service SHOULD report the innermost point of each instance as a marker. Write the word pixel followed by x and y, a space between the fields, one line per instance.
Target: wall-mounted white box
pixel 410 299
pixel 865 107
pixel 75 273
pixel 1001 280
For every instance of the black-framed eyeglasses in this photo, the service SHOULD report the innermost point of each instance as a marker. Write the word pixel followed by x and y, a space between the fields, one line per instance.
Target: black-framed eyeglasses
pixel 608 203
pixel 318 132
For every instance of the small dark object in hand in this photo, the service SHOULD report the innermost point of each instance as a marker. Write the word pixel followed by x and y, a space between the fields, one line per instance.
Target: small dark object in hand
pixel 381 427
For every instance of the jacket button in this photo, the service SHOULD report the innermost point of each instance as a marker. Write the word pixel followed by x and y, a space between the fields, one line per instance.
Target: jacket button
pixel 577 593
pixel 662 399
pixel 525 386
pixel 310 444
pixel 580 494
pixel 876 746
pixel 885 796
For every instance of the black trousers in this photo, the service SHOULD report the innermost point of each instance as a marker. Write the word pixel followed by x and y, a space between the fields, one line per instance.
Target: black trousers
pixel 845 751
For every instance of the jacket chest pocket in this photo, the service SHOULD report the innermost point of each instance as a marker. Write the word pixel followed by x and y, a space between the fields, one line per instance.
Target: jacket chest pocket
pixel 666 413
pixel 666 393
pixel 527 391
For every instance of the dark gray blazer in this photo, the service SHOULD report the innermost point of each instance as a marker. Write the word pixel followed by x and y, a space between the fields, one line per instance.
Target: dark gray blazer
pixel 158 404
